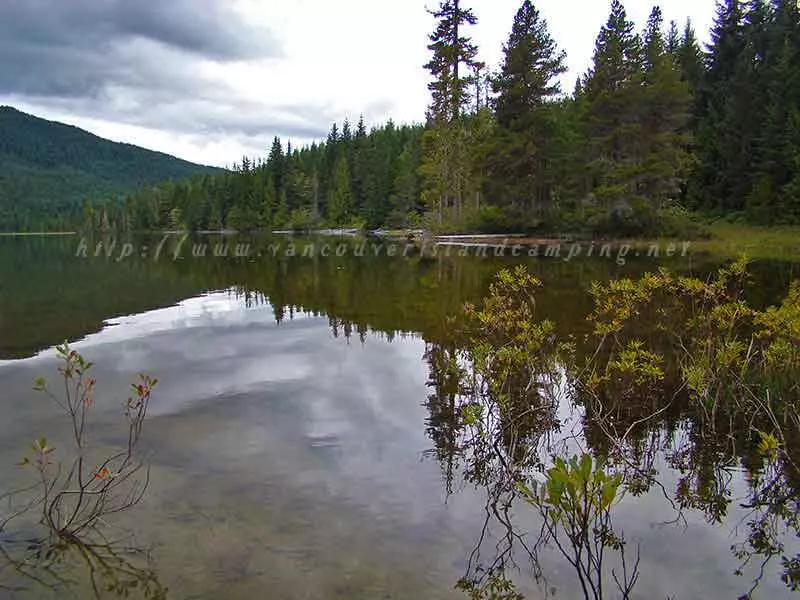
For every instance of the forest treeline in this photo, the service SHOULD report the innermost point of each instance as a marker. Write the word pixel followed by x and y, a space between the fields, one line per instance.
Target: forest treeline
pixel 656 129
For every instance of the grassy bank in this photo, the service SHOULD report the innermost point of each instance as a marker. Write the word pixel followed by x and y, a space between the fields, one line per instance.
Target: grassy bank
pixel 724 240
pixel 730 240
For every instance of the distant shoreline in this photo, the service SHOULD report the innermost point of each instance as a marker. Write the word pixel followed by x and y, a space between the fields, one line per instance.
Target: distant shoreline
pixel 36 233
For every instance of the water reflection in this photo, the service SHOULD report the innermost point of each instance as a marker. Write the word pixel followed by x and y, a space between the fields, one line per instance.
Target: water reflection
pixel 295 412
pixel 76 568
pixel 416 294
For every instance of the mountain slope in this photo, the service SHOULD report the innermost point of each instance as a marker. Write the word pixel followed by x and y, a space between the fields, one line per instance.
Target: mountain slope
pixel 49 169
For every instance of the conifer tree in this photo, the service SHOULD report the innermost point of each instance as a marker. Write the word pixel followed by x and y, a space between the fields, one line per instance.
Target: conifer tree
pixel 673 41
pixel 527 82
pixel 445 155
pixel 341 196
pixel 359 165
pixel 665 107
pixel 405 199
pixel 528 75
pixel 454 57
pixel 275 163
pixel 331 155
pixel 690 59
pixel 611 114
pixel 775 194
pixel 721 181
pixel 269 205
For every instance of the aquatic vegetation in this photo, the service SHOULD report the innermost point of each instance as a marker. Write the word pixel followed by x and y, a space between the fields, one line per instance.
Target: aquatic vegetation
pixel 733 368
pixel 76 492
pixel 511 391
pixel 675 366
pixel 575 502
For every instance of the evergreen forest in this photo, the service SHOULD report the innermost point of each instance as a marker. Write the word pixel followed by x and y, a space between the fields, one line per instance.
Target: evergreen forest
pixel 661 128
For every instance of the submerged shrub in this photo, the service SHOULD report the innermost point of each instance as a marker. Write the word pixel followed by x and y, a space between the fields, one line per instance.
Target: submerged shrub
pixel 667 355
pixel 575 502
pixel 78 490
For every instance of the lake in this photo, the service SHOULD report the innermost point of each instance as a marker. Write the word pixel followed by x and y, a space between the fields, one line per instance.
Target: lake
pixel 299 439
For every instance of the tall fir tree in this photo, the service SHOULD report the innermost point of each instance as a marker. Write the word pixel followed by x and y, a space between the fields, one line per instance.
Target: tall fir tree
pixel 454 58
pixel 665 102
pixel 445 167
pixel 611 112
pixel 690 59
pixel 276 165
pixel 525 87
pixel 721 181
pixel 775 193
pixel 529 73
pixel 673 40
pixel 331 156
pixel 341 196
pixel 359 165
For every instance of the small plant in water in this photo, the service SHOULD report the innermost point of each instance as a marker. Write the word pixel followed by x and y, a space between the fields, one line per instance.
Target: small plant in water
pixel 575 502
pixel 75 492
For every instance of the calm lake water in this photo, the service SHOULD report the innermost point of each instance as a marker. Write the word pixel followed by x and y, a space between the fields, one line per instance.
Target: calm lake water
pixel 296 435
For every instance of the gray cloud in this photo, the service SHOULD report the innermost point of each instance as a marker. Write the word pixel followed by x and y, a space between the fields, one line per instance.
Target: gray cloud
pixel 78 48
pixel 212 114
pixel 208 28
pixel 137 62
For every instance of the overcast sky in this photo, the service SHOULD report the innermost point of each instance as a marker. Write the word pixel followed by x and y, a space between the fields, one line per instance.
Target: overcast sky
pixel 211 80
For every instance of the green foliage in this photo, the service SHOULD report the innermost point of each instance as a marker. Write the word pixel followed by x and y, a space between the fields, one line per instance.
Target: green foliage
pixel 575 502
pixel 522 147
pixel 509 342
pixel 448 167
pixel 732 359
pixel 450 185
pixel 778 331
pixel 662 342
pixel 489 219
pixel 340 203
pixel 635 111
pixel 633 372
pixel 302 219
pixel 495 586
pixel 674 221
pixel 690 58
pixel 575 491
pixel 454 55
pixel 747 117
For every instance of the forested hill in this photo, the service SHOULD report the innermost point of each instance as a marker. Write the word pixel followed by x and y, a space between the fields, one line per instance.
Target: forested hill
pixel 48 170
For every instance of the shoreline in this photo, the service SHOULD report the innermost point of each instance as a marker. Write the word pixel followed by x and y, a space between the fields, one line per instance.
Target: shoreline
pixel 37 233
pixel 727 240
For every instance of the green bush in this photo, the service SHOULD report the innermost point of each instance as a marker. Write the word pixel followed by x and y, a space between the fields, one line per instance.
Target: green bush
pixel 488 219
pixel 675 221
pixel 637 217
pixel 302 219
